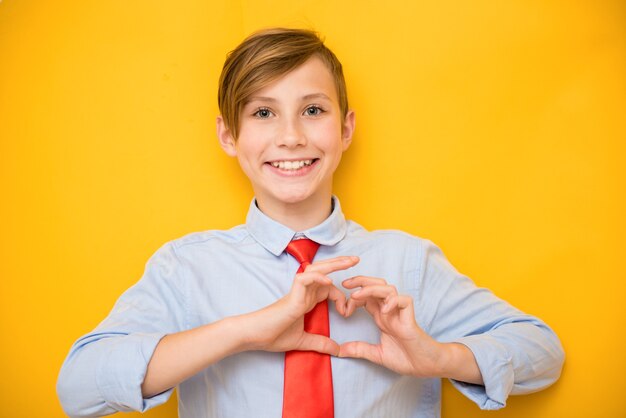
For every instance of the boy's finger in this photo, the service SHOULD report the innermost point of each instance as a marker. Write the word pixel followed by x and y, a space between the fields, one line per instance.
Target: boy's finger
pixel 400 302
pixel 351 306
pixel 330 260
pixel 380 292
pixel 360 281
pixel 405 304
pixel 311 277
pixel 405 301
pixel 339 298
pixel 319 343
pixel 391 303
pixel 333 264
pixel 359 349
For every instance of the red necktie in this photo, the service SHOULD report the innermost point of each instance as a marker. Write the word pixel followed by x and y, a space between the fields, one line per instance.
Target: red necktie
pixel 308 389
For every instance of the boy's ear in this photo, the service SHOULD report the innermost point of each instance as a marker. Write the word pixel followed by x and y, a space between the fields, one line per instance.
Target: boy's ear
pixel 348 129
pixel 224 135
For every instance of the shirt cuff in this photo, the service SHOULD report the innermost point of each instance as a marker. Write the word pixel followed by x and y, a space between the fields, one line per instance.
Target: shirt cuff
pixel 496 368
pixel 122 369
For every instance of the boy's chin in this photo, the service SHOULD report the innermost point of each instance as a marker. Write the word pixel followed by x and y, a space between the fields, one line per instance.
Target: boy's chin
pixel 291 197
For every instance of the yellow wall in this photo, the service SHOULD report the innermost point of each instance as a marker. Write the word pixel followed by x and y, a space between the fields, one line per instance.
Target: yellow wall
pixel 496 129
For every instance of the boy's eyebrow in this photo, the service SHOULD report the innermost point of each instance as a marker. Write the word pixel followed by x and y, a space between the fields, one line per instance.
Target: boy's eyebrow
pixel 273 100
pixel 315 96
pixel 261 99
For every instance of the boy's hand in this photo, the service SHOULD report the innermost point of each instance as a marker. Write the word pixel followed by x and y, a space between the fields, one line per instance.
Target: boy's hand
pixel 404 347
pixel 280 326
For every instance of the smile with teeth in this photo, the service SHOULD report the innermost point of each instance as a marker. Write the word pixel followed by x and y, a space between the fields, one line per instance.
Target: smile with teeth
pixel 291 165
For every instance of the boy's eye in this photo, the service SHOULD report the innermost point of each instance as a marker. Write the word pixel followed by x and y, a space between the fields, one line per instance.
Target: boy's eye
pixel 313 111
pixel 263 113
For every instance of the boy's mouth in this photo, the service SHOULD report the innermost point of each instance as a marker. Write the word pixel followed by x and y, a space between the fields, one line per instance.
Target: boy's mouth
pixel 292 165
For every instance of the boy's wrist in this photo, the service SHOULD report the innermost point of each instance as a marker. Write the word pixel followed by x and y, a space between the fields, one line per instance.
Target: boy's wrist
pixel 458 362
pixel 250 329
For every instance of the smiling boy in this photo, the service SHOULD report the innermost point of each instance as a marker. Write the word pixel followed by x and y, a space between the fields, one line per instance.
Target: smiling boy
pixel 216 311
pixel 289 144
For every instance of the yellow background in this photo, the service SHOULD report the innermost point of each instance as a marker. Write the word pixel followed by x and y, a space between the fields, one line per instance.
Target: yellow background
pixel 496 129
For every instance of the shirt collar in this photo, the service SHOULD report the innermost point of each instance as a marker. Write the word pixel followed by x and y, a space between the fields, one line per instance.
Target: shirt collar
pixel 275 236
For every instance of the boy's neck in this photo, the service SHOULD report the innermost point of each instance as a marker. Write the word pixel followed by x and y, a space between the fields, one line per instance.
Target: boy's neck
pixel 299 216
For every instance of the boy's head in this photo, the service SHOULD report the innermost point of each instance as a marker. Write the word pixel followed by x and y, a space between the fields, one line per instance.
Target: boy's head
pixel 264 57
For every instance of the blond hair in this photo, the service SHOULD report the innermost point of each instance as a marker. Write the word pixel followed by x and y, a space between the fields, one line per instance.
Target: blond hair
pixel 264 57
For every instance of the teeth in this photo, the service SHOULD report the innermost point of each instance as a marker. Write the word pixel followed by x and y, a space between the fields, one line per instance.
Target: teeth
pixel 291 165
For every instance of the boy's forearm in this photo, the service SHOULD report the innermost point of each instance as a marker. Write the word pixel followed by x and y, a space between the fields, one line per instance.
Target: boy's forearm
pixel 181 355
pixel 278 327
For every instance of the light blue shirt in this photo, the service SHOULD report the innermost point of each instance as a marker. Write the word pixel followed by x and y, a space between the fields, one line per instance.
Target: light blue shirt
pixel 206 276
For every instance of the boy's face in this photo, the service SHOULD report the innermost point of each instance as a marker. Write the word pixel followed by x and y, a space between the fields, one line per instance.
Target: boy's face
pixel 291 138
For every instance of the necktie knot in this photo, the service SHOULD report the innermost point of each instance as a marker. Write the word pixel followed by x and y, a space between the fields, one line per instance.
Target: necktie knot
pixel 303 250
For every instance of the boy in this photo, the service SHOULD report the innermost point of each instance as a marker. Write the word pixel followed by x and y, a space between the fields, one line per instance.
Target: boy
pixel 215 312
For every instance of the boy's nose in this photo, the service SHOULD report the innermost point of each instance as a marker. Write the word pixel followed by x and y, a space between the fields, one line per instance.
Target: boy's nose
pixel 291 134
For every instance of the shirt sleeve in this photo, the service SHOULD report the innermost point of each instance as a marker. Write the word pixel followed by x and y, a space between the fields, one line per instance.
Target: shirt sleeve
pixel 104 370
pixel 515 352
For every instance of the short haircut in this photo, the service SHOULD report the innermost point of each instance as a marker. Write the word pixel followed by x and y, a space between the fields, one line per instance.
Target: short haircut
pixel 262 58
